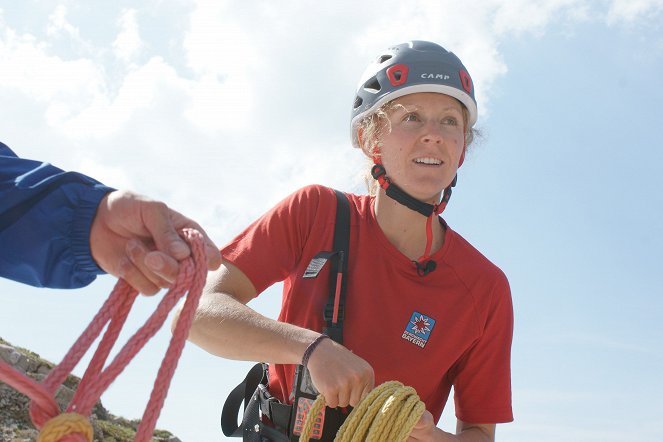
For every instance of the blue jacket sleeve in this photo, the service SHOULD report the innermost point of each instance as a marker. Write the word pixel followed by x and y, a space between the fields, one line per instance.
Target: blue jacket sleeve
pixel 45 219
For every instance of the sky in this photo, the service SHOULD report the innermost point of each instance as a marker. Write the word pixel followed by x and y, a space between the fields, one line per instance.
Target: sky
pixel 222 108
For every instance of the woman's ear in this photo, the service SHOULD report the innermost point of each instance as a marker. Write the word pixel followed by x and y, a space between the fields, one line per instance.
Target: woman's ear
pixel 360 140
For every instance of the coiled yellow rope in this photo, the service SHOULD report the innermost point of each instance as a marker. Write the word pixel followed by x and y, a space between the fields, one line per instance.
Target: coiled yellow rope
pixel 389 412
pixel 63 425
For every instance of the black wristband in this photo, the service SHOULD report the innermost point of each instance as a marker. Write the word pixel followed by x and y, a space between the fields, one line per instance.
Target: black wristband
pixel 311 347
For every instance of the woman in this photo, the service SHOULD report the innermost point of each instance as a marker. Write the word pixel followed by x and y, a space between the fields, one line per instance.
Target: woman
pixel 423 306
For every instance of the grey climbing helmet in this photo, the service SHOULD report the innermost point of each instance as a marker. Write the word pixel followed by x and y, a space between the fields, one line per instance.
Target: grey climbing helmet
pixel 409 68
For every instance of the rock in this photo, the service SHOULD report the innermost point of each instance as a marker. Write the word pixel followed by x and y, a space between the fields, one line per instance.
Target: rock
pixel 15 423
pixel 9 355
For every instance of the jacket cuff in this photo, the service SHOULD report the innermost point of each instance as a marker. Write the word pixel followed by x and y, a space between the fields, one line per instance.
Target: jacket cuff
pixel 83 217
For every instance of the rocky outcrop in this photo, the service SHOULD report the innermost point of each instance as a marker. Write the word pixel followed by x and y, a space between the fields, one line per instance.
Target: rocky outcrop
pixel 15 423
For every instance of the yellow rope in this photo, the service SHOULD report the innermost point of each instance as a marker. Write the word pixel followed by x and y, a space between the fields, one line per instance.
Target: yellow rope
pixel 311 414
pixel 389 412
pixel 64 424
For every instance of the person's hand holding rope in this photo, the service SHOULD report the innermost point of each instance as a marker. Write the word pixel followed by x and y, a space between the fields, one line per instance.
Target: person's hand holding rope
pixel 341 376
pixel 135 238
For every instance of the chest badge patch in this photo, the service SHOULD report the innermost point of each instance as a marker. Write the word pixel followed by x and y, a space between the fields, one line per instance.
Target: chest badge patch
pixel 418 329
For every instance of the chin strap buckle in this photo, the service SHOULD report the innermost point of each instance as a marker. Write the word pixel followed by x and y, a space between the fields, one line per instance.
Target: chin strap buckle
pixel 380 174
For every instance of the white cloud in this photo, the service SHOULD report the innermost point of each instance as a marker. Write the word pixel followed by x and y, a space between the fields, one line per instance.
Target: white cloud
pixel 27 67
pixel 522 16
pixel 631 10
pixel 220 51
pixel 109 174
pixel 217 42
pixel 141 89
pixel 263 93
pixel 128 43
pixel 58 24
pixel 220 104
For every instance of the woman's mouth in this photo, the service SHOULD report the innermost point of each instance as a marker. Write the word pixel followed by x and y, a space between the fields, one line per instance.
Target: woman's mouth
pixel 430 161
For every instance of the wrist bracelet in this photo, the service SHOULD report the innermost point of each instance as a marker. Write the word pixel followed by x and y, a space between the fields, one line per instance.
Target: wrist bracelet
pixel 311 347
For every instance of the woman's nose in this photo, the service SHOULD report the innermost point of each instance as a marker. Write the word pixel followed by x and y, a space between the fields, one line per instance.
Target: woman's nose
pixel 432 133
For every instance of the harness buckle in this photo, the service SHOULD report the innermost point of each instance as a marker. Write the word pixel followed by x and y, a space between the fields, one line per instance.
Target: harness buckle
pixel 265 400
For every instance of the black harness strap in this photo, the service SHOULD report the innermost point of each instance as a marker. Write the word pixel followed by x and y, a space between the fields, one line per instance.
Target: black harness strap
pixel 334 313
pixel 253 392
pixel 245 392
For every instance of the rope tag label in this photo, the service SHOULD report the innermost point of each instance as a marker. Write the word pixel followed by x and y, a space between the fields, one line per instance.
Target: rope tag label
pixel 316 264
pixel 303 407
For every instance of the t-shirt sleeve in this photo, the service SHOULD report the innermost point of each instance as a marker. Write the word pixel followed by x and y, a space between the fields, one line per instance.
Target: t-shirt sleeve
pixel 482 377
pixel 269 249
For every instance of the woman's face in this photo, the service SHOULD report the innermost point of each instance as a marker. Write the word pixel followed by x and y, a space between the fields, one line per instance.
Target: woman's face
pixel 422 151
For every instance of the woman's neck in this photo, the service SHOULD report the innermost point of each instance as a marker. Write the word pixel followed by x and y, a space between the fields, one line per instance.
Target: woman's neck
pixel 405 228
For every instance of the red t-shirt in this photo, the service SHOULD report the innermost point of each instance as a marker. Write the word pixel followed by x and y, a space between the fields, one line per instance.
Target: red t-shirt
pixel 451 327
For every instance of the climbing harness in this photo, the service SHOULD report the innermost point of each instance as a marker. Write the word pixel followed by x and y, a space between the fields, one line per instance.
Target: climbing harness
pixel 388 413
pixel 73 426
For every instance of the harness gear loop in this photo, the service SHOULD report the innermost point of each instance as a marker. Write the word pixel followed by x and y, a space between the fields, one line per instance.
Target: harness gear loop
pixel 66 424
pixel 389 412
pixel 114 312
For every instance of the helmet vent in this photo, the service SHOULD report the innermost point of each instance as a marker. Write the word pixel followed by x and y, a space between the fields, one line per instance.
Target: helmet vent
pixel 372 85
pixel 358 102
pixel 384 58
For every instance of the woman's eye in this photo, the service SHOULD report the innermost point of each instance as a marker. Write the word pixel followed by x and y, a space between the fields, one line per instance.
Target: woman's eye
pixel 451 121
pixel 411 117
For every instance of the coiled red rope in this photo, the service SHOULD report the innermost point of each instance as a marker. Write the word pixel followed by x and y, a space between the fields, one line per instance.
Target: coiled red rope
pixel 95 381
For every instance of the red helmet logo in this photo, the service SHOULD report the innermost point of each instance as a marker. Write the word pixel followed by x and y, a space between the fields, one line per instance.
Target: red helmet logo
pixel 397 74
pixel 466 81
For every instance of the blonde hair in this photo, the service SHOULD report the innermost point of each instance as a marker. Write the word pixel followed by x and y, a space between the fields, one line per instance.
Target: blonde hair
pixel 372 127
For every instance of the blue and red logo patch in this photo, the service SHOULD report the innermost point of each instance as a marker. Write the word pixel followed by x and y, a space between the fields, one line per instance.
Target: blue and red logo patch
pixel 418 330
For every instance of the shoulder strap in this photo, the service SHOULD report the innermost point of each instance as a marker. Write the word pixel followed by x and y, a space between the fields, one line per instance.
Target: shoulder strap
pixel 334 313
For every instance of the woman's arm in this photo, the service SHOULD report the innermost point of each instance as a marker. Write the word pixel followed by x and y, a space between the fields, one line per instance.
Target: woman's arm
pixel 226 327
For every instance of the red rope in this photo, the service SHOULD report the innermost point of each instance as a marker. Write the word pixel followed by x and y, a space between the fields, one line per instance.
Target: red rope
pixel 96 379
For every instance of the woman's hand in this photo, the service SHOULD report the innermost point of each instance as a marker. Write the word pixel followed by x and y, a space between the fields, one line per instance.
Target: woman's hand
pixel 341 376
pixel 424 429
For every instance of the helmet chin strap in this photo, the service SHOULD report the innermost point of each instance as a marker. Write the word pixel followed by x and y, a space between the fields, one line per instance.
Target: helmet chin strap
pixel 424 264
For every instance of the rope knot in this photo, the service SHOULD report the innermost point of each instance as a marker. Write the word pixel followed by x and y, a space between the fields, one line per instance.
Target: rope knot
pixel 63 425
